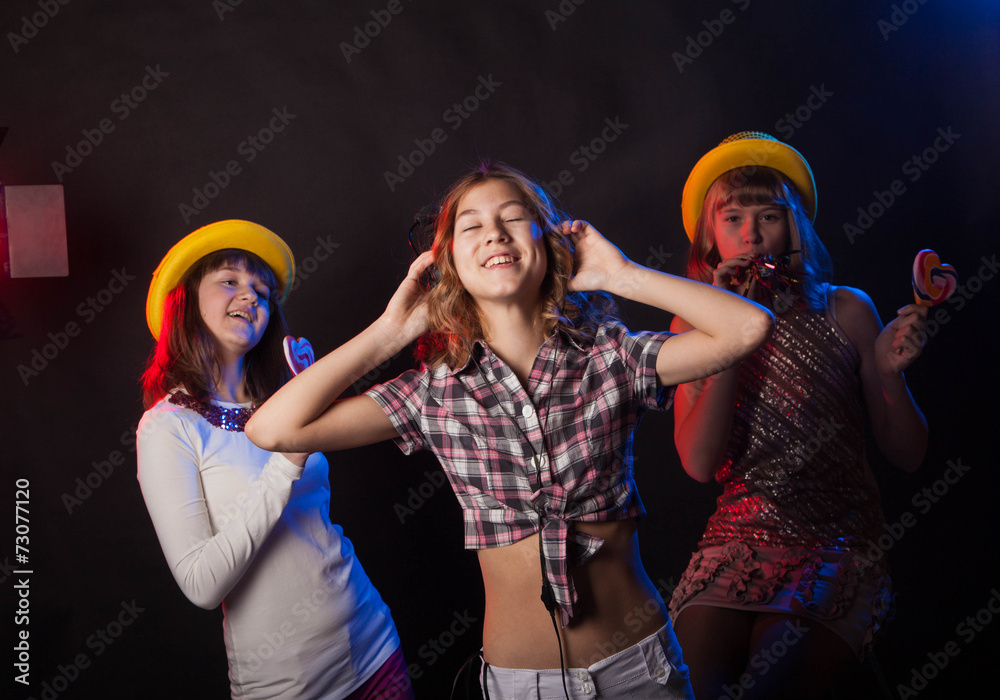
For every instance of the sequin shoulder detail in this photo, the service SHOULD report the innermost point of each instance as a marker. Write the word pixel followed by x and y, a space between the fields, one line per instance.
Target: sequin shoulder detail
pixel 232 419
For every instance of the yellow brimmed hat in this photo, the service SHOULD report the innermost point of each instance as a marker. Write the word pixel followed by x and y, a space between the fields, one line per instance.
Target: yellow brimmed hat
pixel 745 149
pixel 232 233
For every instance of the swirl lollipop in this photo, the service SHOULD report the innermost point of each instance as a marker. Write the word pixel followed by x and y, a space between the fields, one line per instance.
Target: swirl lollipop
pixel 298 353
pixel 933 281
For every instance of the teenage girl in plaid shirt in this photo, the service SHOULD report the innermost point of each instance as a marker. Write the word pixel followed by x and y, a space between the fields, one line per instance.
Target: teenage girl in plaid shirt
pixel 529 392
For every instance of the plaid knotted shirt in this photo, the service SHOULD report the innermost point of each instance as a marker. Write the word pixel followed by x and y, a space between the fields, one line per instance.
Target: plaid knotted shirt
pixel 569 456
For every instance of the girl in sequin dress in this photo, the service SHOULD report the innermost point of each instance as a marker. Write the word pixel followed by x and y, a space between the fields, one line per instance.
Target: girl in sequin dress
pixel 238 525
pixel 786 587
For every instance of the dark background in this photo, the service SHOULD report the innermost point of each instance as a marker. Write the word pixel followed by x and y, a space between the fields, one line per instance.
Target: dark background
pixel 860 88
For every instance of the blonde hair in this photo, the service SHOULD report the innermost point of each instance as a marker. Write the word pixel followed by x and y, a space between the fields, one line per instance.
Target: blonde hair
pixel 759 186
pixel 453 317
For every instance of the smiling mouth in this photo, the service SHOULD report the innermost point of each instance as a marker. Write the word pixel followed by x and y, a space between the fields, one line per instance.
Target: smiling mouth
pixel 499 260
pixel 241 314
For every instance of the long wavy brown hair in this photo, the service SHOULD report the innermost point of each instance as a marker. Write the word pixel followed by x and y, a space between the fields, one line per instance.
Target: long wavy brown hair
pixel 185 354
pixel 454 319
pixel 756 186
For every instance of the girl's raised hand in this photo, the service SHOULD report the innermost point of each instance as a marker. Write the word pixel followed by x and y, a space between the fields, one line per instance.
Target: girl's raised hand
pixel 406 311
pixel 596 261
pixel 902 341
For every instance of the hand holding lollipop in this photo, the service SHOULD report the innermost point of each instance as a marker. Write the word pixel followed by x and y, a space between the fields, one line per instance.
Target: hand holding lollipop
pixel 902 340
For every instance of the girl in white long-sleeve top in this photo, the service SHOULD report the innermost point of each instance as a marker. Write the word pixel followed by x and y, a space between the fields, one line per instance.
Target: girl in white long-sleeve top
pixel 241 526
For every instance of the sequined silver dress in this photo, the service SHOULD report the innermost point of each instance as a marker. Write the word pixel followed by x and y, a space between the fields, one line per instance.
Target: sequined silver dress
pixel 797 525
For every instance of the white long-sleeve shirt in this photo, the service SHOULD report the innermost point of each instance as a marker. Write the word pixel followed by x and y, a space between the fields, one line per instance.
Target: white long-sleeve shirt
pixel 247 528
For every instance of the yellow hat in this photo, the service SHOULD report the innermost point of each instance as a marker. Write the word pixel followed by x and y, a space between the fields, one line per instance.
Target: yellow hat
pixel 747 148
pixel 232 233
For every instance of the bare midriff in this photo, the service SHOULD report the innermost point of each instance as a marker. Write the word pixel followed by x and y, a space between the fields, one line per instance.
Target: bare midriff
pixel 617 604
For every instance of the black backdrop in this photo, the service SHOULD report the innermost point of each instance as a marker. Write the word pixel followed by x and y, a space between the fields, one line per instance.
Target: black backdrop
pixel 332 123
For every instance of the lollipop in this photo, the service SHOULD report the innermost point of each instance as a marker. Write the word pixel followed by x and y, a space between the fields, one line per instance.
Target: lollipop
pixel 933 281
pixel 298 353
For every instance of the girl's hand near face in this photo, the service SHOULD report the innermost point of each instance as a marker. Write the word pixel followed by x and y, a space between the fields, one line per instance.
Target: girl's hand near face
pixel 597 262
pixel 307 415
pixel 732 270
pixel 406 312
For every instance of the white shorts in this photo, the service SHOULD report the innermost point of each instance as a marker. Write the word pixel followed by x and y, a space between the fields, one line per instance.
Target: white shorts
pixel 651 668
